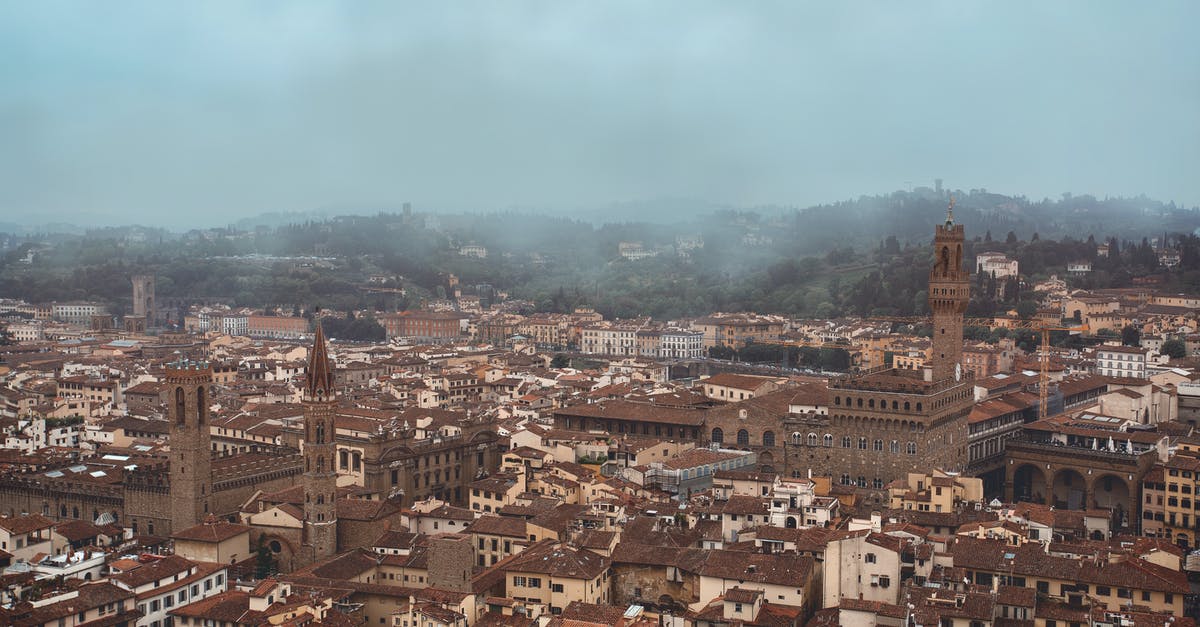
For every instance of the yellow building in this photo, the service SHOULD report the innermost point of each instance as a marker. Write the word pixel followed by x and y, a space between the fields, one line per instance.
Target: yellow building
pixel 1153 581
pixel 555 574
pixel 939 491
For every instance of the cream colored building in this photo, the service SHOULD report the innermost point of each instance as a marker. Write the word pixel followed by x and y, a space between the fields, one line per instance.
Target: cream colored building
pixel 939 491
pixel 555 574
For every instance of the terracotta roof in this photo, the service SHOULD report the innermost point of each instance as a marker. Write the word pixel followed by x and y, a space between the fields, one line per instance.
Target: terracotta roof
pixel 560 561
pixel 213 531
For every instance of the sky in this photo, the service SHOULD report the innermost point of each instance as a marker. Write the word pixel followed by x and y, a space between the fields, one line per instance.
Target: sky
pixel 201 113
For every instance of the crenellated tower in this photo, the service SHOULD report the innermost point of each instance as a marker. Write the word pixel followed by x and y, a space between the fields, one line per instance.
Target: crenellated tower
pixel 949 293
pixel 191 450
pixel 320 476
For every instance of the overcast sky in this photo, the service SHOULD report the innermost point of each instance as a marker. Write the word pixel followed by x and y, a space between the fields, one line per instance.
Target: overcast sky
pixel 203 112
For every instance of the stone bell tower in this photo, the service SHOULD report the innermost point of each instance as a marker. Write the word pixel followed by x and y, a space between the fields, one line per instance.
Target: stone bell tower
pixel 949 293
pixel 320 476
pixel 188 384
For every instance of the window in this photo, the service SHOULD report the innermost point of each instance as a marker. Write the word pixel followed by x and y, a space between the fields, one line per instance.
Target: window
pixel 743 437
pixel 912 448
pixel 1043 587
pixel 535 582
pixel 895 446
pixel 718 435
pixel 519 582
pixel 879 445
pixel 556 587
pixel 1103 591
pixel 812 439
pixel 797 439
pixel 828 440
pixel 862 444
pixel 768 438
pixel 845 441
pixel 870 558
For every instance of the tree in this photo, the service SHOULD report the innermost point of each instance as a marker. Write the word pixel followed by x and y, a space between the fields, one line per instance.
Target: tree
pixel 6 337
pixel 1130 336
pixel 1175 349
pixel 560 361
pixel 1011 238
pixel 1026 309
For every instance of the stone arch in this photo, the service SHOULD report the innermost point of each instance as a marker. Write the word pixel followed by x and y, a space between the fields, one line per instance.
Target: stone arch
pixel 180 405
pixel 790 523
pixel 1069 489
pixel 1029 484
pixel 766 462
pixel 201 410
pixel 1112 492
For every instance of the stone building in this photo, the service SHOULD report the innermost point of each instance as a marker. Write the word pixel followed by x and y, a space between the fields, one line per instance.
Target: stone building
pixel 887 422
pixel 143 297
pixel 155 495
pixel 320 472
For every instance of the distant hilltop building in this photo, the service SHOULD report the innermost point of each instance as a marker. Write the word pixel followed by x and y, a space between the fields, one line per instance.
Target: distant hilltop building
pixel 473 250
pixel 996 264
pixel 635 250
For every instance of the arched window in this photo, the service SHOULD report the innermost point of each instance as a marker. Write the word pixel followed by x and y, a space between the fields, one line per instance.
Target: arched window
pixel 768 438
pixel 918 407
pixel 718 435
pixel 201 410
pixel 912 448
pixel 837 400
pixel 895 405
pixel 180 405
pixel 812 439
pixel 321 464
pixel 828 440
pixel 797 439
pixel 320 438
pixel 743 437
pixel 895 446
pixel 907 406
pixel 862 444
pixel 845 441
pixel 879 445
pixel 871 403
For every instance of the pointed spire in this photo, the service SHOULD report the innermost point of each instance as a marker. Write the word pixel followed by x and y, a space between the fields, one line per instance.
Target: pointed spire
pixel 950 212
pixel 318 379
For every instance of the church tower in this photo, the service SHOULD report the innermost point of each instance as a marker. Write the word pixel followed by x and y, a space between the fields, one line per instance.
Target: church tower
pixel 949 293
pixel 188 384
pixel 320 477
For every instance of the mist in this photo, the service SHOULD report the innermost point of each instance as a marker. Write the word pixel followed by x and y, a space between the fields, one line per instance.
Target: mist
pixel 197 114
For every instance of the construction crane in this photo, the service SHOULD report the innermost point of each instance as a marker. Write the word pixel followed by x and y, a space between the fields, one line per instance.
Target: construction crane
pixel 1044 377
pixel 1041 326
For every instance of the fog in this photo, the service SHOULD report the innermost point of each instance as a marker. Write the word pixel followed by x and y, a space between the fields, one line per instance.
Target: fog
pixel 198 114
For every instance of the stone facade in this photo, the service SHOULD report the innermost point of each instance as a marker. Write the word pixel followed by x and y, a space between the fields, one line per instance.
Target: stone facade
pixel 320 453
pixel 191 450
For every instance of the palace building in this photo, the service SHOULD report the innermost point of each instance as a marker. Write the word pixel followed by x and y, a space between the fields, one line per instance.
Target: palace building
pixel 888 422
